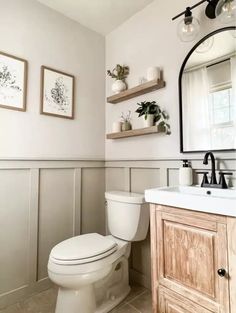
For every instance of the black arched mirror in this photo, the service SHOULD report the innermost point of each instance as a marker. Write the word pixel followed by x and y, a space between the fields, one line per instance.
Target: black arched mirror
pixel 207 94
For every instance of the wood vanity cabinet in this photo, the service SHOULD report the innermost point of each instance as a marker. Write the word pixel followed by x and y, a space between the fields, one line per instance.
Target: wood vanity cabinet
pixel 193 261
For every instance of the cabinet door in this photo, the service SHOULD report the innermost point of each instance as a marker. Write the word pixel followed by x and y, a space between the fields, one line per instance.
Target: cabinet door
pixel 169 302
pixel 191 247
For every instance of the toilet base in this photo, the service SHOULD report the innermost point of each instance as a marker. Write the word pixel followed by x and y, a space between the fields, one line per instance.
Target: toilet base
pixel 114 288
pixel 72 300
pixel 84 299
pixel 113 302
pixel 100 297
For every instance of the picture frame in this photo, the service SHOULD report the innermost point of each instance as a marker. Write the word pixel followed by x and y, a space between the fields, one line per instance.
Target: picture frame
pixel 13 82
pixel 57 93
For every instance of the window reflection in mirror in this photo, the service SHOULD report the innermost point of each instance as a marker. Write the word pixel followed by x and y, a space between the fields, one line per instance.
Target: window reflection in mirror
pixel 209 95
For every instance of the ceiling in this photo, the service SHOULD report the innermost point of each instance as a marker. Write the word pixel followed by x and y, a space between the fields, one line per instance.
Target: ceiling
pixel 102 16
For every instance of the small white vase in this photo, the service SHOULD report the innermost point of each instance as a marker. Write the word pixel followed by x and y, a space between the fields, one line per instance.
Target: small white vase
pixel 149 121
pixel 118 86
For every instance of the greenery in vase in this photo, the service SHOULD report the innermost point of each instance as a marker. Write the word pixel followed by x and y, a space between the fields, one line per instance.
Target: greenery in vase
pixel 119 72
pixel 160 116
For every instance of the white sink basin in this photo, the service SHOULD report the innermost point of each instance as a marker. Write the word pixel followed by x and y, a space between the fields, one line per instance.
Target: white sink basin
pixel 217 201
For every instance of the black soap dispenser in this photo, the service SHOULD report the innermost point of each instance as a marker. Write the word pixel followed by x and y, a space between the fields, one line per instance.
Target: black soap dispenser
pixel 186 174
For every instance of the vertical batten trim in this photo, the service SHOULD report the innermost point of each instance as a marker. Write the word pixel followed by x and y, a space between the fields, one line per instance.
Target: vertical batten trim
pixel 127 186
pixel 77 202
pixel 164 180
pixel 33 226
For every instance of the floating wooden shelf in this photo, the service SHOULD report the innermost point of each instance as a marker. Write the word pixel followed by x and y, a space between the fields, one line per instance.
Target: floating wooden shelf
pixel 137 91
pixel 135 132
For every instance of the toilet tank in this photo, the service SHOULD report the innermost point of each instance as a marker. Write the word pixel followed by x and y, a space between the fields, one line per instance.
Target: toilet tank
pixel 127 215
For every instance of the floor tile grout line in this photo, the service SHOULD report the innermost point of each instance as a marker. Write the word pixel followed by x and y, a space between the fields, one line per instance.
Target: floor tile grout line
pixel 133 307
pixel 131 300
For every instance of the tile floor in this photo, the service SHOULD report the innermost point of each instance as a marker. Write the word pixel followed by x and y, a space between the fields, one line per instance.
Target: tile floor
pixel 138 301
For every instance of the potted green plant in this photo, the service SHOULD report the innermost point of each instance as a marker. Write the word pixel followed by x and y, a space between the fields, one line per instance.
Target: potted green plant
pixel 153 114
pixel 120 73
pixel 126 121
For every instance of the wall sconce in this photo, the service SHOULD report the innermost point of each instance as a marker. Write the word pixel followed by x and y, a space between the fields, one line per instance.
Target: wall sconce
pixel 188 28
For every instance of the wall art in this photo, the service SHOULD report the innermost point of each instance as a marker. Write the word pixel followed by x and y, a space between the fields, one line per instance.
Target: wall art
pixel 57 93
pixel 13 82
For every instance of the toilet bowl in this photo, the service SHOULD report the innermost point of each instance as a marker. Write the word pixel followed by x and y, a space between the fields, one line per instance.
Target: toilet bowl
pixel 91 270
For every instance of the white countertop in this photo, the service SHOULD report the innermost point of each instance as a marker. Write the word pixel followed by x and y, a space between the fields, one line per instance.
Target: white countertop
pixel 209 200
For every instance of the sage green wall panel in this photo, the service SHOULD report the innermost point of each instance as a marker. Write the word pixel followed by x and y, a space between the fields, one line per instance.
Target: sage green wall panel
pixel 115 179
pixel 173 177
pixel 144 178
pixel 56 212
pixel 14 229
pixel 93 200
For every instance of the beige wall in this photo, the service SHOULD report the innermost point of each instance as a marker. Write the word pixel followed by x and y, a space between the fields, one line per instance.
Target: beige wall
pixel 44 37
pixel 41 204
pixel 149 38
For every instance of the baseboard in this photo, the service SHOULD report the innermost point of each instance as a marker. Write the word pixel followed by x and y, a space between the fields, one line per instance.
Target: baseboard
pixel 24 292
pixel 139 278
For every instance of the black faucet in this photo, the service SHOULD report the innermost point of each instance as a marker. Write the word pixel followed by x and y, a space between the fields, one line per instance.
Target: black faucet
pixel 213 166
pixel 213 182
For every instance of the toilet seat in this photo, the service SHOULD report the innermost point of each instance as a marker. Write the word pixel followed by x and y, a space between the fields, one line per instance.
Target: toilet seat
pixel 83 249
pixel 122 248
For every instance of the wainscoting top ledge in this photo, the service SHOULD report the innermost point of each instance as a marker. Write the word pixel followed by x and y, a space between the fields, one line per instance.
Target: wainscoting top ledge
pixel 220 157
pixel 87 159
pixel 40 163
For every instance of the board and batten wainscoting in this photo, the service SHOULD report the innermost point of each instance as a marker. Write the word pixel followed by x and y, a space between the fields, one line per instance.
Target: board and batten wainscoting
pixel 136 176
pixel 43 202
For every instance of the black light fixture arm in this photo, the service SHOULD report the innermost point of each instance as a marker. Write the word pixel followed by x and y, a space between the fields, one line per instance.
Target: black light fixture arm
pixel 191 8
pixel 210 3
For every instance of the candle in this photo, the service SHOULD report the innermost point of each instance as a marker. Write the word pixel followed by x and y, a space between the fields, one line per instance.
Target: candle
pixel 153 73
pixel 116 127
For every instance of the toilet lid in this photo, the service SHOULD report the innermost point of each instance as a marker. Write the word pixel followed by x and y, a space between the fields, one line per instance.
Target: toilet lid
pixel 83 249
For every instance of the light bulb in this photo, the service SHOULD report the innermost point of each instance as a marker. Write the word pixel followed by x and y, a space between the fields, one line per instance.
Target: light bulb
pixel 226 11
pixel 188 29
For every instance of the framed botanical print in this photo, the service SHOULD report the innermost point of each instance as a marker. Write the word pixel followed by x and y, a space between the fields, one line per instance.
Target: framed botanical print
pixel 57 93
pixel 13 82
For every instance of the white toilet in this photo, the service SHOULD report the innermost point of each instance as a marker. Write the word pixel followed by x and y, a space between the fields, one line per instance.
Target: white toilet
pixel 91 270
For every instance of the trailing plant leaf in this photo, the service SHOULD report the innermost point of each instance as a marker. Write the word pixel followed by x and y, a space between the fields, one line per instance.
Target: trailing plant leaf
pixel 157 119
pixel 165 115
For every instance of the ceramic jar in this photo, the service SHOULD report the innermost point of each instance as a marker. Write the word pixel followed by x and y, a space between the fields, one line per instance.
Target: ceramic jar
pixel 126 126
pixel 118 86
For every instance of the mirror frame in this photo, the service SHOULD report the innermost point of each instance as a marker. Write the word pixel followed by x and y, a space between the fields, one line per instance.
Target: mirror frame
pixel 180 90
